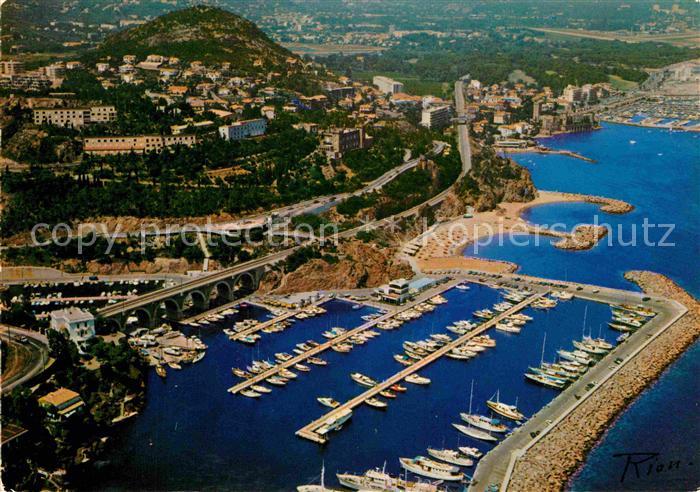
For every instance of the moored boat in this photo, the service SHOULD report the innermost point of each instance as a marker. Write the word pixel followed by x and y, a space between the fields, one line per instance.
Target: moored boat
pixel 426 467
pixel 484 422
pixel 475 433
pixel 450 456
pixel 504 409
pixel 416 379
pixel 328 401
pixel 363 380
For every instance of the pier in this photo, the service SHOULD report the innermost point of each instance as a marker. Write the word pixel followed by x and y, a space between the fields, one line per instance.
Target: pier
pixel 310 431
pixel 327 345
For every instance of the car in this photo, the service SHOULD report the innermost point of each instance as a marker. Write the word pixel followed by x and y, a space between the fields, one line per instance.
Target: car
pixel 23 340
pixel 93 277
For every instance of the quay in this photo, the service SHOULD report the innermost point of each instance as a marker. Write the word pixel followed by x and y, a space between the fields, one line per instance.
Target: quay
pixel 327 345
pixel 310 431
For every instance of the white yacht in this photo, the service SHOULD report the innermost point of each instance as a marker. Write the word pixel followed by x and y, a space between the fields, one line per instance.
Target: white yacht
pixel 450 456
pixel 426 467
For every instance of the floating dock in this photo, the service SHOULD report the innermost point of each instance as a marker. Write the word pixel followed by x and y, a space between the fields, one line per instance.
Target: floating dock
pixel 327 345
pixel 310 431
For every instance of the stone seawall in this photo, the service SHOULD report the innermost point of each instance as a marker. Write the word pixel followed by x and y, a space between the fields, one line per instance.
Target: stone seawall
pixel 548 465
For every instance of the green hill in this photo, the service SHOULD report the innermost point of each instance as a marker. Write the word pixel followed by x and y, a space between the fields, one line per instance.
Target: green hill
pixel 207 34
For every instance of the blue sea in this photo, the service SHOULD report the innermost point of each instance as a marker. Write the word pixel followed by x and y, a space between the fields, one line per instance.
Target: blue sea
pixel 193 434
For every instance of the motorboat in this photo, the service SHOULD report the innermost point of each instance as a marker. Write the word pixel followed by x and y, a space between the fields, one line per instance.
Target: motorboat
pixel 416 379
pixel 316 361
pixel 473 452
pixel 450 456
pixel 376 403
pixel 328 401
pixel 301 367
pixel 250 393
pixel 426 467
pixel 363 380
pixel 260 389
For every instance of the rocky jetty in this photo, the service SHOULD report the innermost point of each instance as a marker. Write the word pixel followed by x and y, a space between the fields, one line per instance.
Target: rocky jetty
pixel 582 238
pixel 548 465
pixel 607 205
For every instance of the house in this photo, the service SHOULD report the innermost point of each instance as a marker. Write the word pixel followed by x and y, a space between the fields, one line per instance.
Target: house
pixel 78 324
pixel 61 404
pixel 268 112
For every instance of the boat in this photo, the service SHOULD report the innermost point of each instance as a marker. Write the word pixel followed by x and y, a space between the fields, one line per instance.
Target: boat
pixel 398 388
pixel 619 327
pixel 250 393
pixel 426 467
pixel 376 403
pixel 276 380
pixel 380 480
pixel 598 342
pixel 475 433
pixel 575 356
pixel 505 410
pixel 260 389
pixel 174 365
pixel 403 359
pixel 334 423
pixel 363 380
pixel 484 314
pixel 483 422
pixel 317 488
pixel 622 337
pixel 328 401
pixel 416 379
pixel 240 373
pixel 450 456
pixel 507 327
pixel 357 306
pixel 545 380
pixel 589 348
pixel 562 295
pixel 316 361
pixel 160 370
pixel 286 373
pixel 282 356
pixel 473 452
pixel 342 347
pixel 462 287
pixel 387 394
pixel 301 367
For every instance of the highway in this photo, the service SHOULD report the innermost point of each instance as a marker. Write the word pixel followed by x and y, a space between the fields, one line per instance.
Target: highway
pixel 37 344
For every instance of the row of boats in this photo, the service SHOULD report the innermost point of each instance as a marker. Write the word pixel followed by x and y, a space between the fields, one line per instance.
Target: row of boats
pixel 212 318
pixel 628 318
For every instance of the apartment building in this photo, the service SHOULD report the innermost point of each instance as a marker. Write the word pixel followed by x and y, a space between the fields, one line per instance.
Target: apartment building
pixel 387 85
pixel 435 117
pixel 74 117
pixel 111 145
pixel 338 141
pixel 243 129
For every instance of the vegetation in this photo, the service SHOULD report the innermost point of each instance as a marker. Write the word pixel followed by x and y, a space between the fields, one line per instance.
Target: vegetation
pixel 54 444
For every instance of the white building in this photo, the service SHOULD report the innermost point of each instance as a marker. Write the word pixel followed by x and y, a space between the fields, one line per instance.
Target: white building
pixel 243 129
pixel 436 117
pixel 79 325
pixel 397 292
pixel 387 85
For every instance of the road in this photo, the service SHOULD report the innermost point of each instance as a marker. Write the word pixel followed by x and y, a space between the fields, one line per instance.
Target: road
pixel 37 351
pixel 465 153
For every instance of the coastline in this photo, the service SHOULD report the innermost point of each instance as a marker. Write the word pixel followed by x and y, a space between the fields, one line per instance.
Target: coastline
pixel 445 248
pixel 555 459
pixel 695 128
pixel 546 150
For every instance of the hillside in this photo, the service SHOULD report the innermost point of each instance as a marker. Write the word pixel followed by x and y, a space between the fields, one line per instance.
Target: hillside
pixel 207 34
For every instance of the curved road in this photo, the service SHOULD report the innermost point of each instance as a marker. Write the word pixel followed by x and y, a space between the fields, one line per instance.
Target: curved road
pixel 37 344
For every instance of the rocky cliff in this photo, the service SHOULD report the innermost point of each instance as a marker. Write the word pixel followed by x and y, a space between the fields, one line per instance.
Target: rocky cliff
pixel 359 265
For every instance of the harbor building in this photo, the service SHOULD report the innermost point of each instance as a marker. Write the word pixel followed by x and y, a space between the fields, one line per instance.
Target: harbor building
pixel 387 85
pixel 77 324
pixel 243 129
pixel 396 292
pixel 111 145
pixel 61 404
pixel 74 117
pixel 436 117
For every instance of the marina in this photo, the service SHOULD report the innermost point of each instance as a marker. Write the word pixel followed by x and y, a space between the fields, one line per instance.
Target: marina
pixel 310 431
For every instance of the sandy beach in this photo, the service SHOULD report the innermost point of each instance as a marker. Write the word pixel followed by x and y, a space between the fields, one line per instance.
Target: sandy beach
pixel 443 248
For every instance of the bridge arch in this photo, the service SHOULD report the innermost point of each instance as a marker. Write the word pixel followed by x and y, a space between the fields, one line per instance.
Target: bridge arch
pixel 244 284
pixel 144 316
pixel 197 300
pixel 170 309
pixel 223 291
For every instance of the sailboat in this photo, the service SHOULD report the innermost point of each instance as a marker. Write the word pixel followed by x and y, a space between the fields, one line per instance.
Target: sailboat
pixel 505 410
pixel 317 488
pixel 469 430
